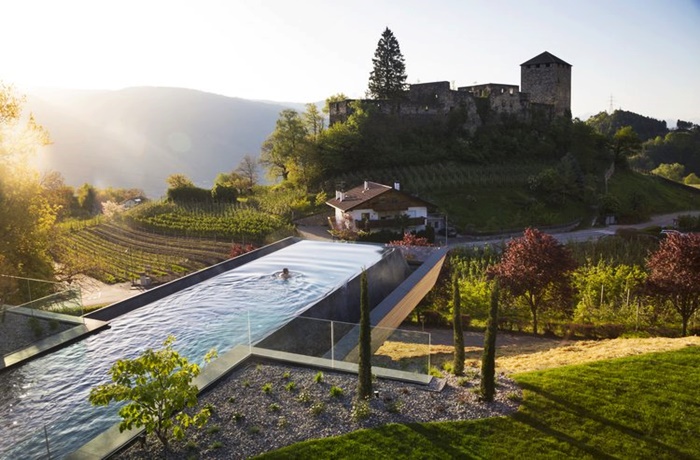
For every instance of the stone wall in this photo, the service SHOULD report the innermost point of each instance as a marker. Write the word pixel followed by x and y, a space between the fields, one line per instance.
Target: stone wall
pixel 548 84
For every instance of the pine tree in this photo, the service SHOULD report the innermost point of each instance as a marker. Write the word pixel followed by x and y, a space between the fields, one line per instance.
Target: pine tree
pixel 488 359
pixel 364 386
pixel 388 77
pixel 458 364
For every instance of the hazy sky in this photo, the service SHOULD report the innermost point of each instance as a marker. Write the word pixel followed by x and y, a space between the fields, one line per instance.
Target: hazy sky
pixel 645 54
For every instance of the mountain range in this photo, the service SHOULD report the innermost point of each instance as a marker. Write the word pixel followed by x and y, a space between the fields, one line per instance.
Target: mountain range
pixel 137 137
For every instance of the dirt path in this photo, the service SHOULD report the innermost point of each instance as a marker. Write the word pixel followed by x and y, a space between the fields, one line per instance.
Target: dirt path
pixel 95 292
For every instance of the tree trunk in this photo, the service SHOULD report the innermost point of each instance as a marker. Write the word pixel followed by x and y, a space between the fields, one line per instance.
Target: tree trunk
pixel 458 332
pixel 533 309
pixel 488 359
pixel 364 385
pixel 685 324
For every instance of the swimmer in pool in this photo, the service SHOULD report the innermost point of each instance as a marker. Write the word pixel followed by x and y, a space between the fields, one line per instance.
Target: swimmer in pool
pixel 285 274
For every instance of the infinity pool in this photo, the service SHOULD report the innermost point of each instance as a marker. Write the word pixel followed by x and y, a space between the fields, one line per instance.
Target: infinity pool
pixel 246 303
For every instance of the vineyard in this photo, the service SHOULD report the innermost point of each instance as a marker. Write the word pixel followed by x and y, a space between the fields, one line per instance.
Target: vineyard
pixel 113 252
pixel 446 176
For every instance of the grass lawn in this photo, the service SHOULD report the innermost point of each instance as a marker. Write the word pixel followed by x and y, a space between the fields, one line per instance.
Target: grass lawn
pixel 645 406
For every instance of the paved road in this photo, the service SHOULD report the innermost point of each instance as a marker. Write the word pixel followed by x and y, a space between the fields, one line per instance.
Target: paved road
pixel 661 220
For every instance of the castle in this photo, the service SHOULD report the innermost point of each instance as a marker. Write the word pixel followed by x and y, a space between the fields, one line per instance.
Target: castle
pixel 545 87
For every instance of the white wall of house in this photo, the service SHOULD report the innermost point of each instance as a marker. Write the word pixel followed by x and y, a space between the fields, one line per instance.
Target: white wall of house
pixel 348 220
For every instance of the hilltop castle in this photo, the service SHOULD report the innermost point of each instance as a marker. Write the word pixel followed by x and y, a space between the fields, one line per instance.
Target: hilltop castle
pixel 545 87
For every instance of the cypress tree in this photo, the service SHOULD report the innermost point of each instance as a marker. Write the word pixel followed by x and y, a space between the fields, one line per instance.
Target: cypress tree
pixel 488 360
pixel 388 77
pixel 458 333
pixel 364 386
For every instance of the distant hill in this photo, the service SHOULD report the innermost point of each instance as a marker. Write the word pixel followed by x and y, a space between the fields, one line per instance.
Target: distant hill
pixel 645 127
pixel 137 137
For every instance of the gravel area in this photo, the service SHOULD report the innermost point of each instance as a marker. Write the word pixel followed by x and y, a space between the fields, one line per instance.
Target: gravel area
pixel 17 332
pixel 249 420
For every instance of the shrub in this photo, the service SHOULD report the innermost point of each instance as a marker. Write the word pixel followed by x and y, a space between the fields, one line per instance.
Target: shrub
pixel 318 378
pixel 318 408
pixel 291 386
pixel 267 388
pixel 360 410
pixel 336 392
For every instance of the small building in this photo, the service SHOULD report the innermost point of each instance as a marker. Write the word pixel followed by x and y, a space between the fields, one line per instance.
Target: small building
pixel 132 202
pixel 373 207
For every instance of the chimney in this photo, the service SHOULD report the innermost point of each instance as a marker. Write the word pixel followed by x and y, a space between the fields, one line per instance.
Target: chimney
pixel 366 185
pixel 397 185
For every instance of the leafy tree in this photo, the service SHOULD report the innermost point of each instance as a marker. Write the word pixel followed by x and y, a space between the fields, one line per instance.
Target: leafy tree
pixel 674 274
pixel 457 332
pixel 285 145
pixel 314 121
pixel 364 373
pixel 625 143
pixel 691 179
pixel 178 181
pixel 158 387
pixel 248 169
pixel 388 77
pixel 87 198
pixel 536 268
pixel 672 172
pixel 26 214
pixel 488 358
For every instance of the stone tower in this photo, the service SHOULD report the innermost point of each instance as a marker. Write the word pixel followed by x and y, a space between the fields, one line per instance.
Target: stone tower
pixel 548 81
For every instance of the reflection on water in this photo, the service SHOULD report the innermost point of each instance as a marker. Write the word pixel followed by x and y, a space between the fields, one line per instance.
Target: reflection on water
pixel 215 313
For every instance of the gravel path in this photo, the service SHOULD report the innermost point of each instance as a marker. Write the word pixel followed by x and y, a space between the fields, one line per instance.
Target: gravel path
pixel 19 331
pixel 248 420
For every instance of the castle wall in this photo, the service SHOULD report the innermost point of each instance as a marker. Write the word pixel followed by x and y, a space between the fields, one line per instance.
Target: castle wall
pixel 544 86
pixel 548 84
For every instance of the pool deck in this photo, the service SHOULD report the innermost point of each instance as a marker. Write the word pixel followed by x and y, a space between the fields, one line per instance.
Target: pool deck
pixel 112 440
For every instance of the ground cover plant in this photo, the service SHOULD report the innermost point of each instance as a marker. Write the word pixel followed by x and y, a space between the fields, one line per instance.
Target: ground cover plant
pixel 636 407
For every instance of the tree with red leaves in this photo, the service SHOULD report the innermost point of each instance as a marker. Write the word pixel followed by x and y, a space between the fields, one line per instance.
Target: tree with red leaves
pixel 674 274
pixel 535 267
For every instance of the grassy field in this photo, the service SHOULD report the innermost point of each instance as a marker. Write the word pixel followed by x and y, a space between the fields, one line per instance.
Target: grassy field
pixel 642 406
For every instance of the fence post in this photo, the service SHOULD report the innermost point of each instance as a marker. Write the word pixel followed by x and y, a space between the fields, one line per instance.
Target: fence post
pixel 48 448
pixel 332 347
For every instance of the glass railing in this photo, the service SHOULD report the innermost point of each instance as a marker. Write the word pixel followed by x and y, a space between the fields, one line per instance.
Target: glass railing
pixel 68 422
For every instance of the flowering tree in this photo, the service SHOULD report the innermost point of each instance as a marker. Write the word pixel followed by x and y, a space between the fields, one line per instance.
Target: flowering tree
pixel 535 267
pixel 674 274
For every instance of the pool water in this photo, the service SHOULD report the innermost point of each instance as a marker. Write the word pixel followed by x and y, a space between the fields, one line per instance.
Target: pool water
pixel 241 305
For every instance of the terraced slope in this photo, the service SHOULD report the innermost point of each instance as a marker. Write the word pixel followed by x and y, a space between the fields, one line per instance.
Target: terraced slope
pixel 113 253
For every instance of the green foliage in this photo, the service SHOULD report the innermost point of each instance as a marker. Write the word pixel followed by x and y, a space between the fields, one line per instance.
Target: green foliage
pixel 361 409
pixel 691 179
pixel 487 386
pixel 645 127
pixel 672 172
pixel 388 77
pixel 318 408
pixel 267 388
pixel 364 372
pixel 336 392
pixel 191 194
pixel 457 332
pixel 157 386
pixel 27 214
pixel 221 220
pixel 290 386
pixel 608 293
pixel 318 378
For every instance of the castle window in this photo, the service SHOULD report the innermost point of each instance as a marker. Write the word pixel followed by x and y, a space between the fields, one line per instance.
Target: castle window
pixel 510 91
pixel 547 65
pixel 436 96
pixel 537 66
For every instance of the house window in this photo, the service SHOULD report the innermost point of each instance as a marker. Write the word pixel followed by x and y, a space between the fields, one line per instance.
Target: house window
pixel 365 216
